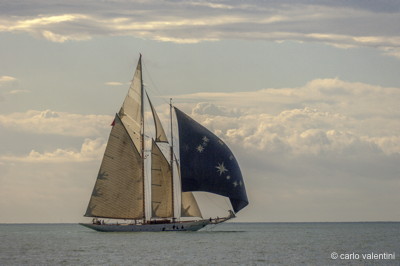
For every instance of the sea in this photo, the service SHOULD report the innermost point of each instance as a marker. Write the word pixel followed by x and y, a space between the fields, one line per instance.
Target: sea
pixel 353 243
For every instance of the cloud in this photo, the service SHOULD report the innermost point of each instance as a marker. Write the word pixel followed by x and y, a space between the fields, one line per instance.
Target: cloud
pixel 5 82
pixel 18 91
pixel 324 116
pixel 342 24
pixel 206 108
pixel 114 83
pixel 6 79
pixel 58 123
pixel 352 99
pixel 90 150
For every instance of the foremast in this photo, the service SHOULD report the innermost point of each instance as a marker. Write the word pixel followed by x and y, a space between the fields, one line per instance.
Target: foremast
pixel 171 149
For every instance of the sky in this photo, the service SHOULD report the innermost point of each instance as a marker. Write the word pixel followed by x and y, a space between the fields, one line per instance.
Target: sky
pixel 305 93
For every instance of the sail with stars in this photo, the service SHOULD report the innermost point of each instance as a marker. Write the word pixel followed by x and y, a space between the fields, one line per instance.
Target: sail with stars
pixel 207 164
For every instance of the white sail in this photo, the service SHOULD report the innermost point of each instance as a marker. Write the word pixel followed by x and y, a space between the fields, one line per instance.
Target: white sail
pixel 118 192
pixel 161 184
pixel 190 208
pixel 160 133
pixel 131 110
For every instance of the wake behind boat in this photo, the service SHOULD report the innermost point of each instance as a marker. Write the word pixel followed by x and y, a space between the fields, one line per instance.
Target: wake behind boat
pixel 138 201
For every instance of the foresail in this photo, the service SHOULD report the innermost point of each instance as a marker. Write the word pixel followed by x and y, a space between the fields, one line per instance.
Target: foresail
pixel 131 110
pixel 118 192
pixel 207 164
pixel 160 133
pixel 161 184
pixel 189 206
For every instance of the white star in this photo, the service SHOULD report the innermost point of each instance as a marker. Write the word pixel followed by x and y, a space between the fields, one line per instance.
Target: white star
pixel 205 139
pixel 200 148
pixel 231 157
pixel 221 168
pixel 220 142
pixel 228 177
pixel 235 184
pixel 240 183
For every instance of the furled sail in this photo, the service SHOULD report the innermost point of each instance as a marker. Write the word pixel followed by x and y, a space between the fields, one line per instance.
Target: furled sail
pixel 131 110
pixel 161 184
pixel 118 192
pixel 189 206
pixel 207 164
pixel 160 133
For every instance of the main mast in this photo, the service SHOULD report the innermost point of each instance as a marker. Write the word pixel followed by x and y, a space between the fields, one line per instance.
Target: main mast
pixel 142 136
pixel 172 158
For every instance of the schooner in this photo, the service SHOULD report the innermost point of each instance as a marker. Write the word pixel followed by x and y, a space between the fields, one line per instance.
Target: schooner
pixel 204 163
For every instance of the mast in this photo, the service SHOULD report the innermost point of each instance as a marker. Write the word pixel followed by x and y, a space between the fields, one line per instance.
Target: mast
pixel 172 158
pixel 142 136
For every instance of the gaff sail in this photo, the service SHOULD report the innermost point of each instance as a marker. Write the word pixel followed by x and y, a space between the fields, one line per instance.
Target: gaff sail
pixel 118 190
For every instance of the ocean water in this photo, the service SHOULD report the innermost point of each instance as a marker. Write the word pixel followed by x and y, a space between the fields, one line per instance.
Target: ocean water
pixel 226 244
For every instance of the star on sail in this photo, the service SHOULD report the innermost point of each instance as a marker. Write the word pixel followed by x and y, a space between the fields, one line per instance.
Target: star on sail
pixel 221 168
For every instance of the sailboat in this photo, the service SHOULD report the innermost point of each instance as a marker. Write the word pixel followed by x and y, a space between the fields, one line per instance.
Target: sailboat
pixel 140 200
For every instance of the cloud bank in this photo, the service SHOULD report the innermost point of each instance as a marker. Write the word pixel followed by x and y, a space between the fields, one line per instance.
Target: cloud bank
pixel 324 114
pixel 342 24
pixel 91 150
pixel 58 123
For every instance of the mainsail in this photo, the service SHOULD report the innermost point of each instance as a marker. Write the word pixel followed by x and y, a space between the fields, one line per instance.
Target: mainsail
pixel 118 190
pixel 207 164
pixel 161 184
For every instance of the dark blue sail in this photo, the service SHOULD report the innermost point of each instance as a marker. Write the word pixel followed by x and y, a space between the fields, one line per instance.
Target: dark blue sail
pixel 207 164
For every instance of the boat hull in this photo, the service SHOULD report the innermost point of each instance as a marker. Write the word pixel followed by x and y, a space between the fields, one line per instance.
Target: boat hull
pixel 178 226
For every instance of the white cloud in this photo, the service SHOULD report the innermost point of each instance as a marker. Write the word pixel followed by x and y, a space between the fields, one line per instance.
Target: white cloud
pixel 343 25
pixel 90 150
pixel 18 91
pixel 59 123
pixel 6 79
pixel 114 83
pixel 324 116
pixel 54 37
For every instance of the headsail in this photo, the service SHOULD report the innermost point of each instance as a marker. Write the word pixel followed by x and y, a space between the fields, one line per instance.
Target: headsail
pixel 207 164
pixel 118 190
pixel 189 206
